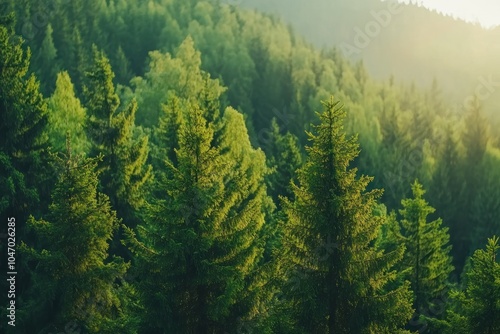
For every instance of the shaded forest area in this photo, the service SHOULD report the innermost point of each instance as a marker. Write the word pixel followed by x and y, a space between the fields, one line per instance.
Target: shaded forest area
pixel 182 167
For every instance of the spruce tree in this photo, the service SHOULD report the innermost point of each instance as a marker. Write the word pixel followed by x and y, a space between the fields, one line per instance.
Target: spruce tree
pixel 338 281
pixel 202 236
pixel 485 208
pixel 475 139
pixel 285 157
pixel 166 134
pixel 124 73
pixel 45 61
pixel 76 57
pixel 427 250
pixel 447 193
pixel 112 132
pixel 23 117
pixel 476 308
pixel 66 114
pixel 181 75
pixel 74 281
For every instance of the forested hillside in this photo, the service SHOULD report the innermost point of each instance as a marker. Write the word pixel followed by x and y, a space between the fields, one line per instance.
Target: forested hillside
pixel 195 167
pixel 405 40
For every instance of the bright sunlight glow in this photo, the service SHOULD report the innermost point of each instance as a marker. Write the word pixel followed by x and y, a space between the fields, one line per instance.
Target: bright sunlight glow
pixel 484 12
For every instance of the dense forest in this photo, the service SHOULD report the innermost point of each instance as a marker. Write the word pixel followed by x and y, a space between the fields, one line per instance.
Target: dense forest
pixel 196 167
pixel 407 41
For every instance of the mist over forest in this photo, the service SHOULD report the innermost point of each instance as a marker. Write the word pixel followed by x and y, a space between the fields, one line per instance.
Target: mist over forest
pixel 248 166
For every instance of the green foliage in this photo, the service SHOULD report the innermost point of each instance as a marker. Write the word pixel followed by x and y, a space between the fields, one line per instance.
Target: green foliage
pixel 123 70
pixel 46 61
pixel 427 250
pixel 180 74
pixel 172 57
pixel 329 232
pixel 447 186
pixel 475 138
pixel 74 280
pixel 202 232
pixel 475 308
pixel 23 113
pixel 166 134
pixel 113 134
pixel 66 115
pixel 77 57
pixel 285 157
pixel 485 208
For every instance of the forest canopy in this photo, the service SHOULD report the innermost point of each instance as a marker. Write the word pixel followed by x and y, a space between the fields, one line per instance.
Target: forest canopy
pixel 196 167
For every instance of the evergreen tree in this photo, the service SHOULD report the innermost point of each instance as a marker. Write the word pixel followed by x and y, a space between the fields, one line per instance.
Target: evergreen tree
pixel 45 61
pixel 341 281
pixel 475 139
pixel 181 75
pixel 427 250
pixel 113 134
pixel 475 309
pixel 434 99
pixel 485 208
pixel 447 190
pixel 202 235
pixel 73 278
pixel 285 158
pixel 396 156
pixel 23 117
pixel 77 58
pixel 166 134
pixel 124 73
pixel 66 114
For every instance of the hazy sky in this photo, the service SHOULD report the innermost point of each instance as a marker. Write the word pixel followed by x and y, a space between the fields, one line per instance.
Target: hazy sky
pixel 486 12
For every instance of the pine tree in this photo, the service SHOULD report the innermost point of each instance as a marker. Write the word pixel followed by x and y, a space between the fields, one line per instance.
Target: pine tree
pixel 66 114
pixel 181 75
pixel 427 250
pixel 475 139
pixel 285 158
pixel 202 235
pixel 74 281
pixel 396 164
pixel 45 61
pixel 485 208
pixel 113 134
pixel 434 99
pixel 475 309
pixel 338 281
pixel 77 59
pixel 447 193
pixel 166 134
pixel 124 73
pixel 23 113
pixel 476 134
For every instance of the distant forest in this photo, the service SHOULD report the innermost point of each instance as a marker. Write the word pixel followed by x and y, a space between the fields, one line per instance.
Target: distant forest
pixel 196 167
pixel 404 40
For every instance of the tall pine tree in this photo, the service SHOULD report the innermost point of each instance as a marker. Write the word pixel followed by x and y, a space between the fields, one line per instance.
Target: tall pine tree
pixel 66 114
pixel 475 139
pixel 23 113
pixel 112 132
pixel 202 235
pixel 46 61
pixel 476 308
pixel 74 281
pixel 339 280
pixel 427 250
pixel 285 158
pixel 447 193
